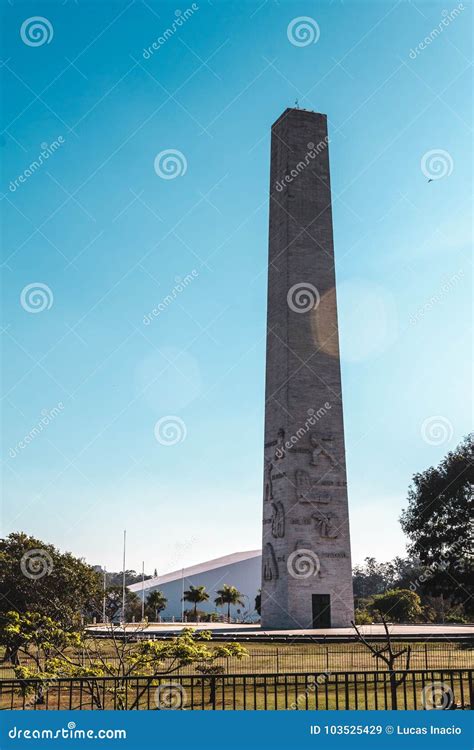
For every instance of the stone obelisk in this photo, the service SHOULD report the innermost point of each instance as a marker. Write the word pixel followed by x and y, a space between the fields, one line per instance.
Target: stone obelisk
pixel 306 561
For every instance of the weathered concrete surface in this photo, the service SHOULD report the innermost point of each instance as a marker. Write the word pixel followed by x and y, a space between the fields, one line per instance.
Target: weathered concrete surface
pixel 432 632
pixel 306 547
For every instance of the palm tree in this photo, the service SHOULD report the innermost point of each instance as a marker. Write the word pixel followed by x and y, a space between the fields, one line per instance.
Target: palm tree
pixel 196 595
pixel 228 595
pixel 156 602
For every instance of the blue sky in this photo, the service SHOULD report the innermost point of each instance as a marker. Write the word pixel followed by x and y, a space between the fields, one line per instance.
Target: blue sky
pixel 111 239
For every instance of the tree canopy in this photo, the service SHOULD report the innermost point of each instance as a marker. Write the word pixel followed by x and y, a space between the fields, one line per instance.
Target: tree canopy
pixel 397 605
pixel 229 595
pixel 37 577
pixel 374 577
pixel 438 522
pixel 46 652
pixel 195 595
pixel 155 603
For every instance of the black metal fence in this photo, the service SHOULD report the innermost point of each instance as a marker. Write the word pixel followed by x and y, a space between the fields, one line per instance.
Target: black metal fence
pixel 317 658
pixel 415 689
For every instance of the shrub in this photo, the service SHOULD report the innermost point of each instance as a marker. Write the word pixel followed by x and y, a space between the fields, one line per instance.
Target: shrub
pixel 363 617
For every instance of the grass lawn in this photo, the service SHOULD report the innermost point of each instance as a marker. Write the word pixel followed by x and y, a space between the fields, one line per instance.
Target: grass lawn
pixel 267 658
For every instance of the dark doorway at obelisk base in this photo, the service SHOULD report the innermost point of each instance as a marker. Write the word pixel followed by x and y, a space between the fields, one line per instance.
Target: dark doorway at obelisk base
pixel 321 610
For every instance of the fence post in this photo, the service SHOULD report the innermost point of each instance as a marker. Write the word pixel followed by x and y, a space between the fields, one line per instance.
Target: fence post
pixel 212 693
pixel 327 658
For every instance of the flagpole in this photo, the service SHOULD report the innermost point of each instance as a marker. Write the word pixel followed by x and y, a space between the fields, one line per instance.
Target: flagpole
pixel 123 577
pixel 143 591
pixel 105 590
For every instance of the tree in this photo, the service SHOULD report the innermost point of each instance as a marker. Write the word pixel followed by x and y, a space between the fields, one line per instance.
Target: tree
pixel 372 577
pixel 195 595
pixel 438 522
pixel 405 571
pixel 228 595
pixel 56 654
pixel 155 603
pixel 258 602
pixel 115 578
pixel 34 635
pixel 35 576
pixel 399 605
pixel 389 656
pixel 114 602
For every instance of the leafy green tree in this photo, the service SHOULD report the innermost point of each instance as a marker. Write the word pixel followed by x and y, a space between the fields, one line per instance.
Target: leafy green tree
pixel 405 571
pixel 195 595
pixel 36 636
pixel 438 522
pixel 57 653
pixel 114 578
pixel 228 595
pixel 155 603
pixel 398 605
pixel 35 576
pixel 114 602
pixel 372 577
pixel 362 617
